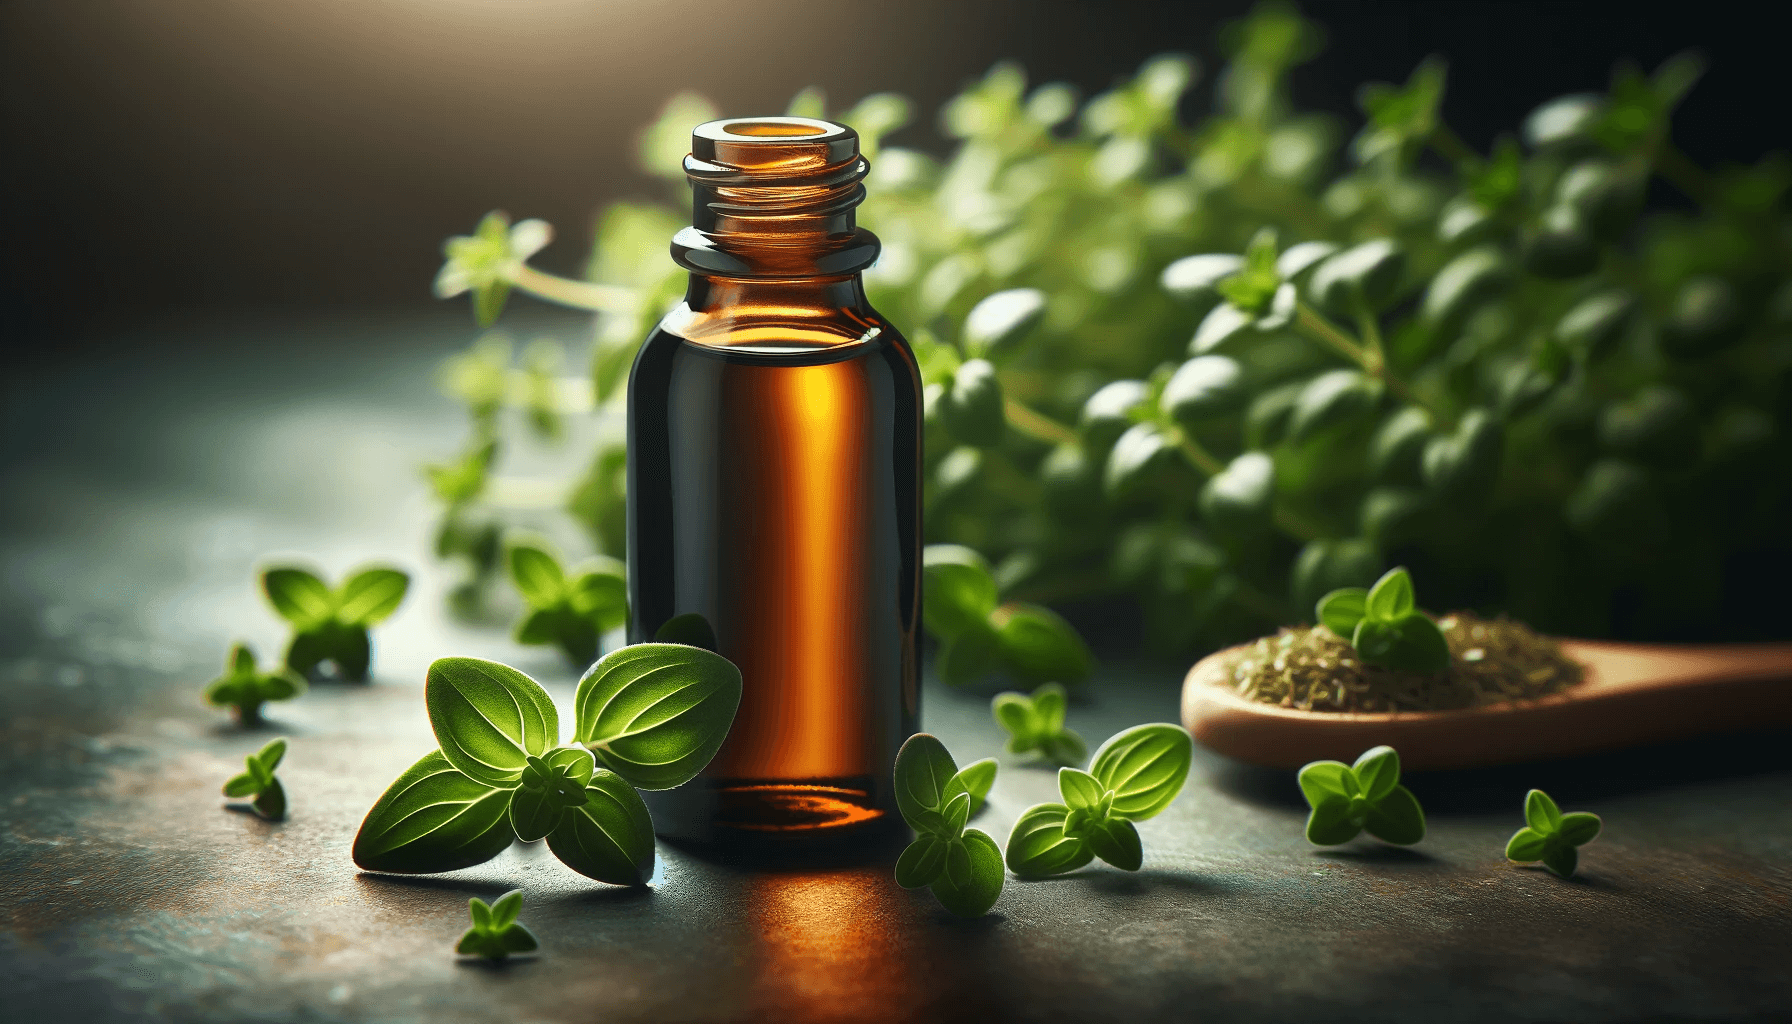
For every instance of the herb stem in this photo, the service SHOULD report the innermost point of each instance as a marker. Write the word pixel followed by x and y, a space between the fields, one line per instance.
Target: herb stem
pixel 1685 175
pixel 1289 522
pixel 1450 146
pixel 1036 424
pixel 1314 325
pixel 567 292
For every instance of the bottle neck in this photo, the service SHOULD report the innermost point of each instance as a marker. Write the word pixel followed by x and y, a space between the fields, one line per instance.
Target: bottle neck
pixel 771 207
pixel 794 297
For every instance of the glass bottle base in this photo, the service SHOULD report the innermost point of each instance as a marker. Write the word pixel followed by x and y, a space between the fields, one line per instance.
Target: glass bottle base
pixel 772 813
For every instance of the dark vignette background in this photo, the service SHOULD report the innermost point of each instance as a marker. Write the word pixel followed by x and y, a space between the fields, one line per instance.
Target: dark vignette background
pixel 178 163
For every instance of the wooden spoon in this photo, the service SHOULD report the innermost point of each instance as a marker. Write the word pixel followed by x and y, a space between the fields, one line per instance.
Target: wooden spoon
pixel 1632 694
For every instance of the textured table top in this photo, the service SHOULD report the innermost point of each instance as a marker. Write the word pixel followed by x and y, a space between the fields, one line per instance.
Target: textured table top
pixel 140 489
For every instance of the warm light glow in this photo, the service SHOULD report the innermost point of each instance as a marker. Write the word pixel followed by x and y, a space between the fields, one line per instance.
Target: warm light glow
pixel 804 631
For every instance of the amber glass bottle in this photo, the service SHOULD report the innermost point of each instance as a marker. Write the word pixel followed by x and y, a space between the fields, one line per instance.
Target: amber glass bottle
pixel 774 425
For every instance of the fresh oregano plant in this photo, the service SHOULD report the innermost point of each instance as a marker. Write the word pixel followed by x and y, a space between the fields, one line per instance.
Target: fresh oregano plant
pixel 1551 836
pixel 572 609
pixel 1348 799
pixel 331 624
pixel 978 635
pixel 650 716
pixel 1132 777
pixel 961 866
pixel 1035 725
pixel 245 688
pixel 1501 362
pixel 258 781
pixel 496 932
pixel 1385 626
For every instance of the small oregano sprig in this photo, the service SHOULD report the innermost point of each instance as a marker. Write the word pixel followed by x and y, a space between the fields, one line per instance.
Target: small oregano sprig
pixel 244 688
pixel 649 716
pixel 1035 724
pixel 1385 627
pixel 1551 836
pixel 258 781
pixel 979 636
pixel 1349 799
pixel 1132 777
pixel 962 866
pixel 496 933
pixel 331 625
pixel 572 609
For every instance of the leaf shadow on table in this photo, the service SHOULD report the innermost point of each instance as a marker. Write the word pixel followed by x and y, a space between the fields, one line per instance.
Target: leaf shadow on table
pixel 1581 779
pixel 507 966
pixel 408 886
pixel 1377 853
pixel 1132 884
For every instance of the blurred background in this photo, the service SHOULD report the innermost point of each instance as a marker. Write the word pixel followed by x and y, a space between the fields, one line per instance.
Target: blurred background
pixel 179 160
pixel 204 197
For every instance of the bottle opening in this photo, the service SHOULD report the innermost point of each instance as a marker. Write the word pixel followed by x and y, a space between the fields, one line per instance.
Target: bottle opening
pixel 772 130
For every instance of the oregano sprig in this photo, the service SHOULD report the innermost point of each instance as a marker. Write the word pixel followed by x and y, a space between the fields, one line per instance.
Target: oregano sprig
pixel 1348 799
pixel 961 866
pixel 648 716
pixel 1132 777
pixel 331 624
pixel 1035 725
pixel 572 609
pixel 258 781
pixel 496 932
pixel 1551 836
pixel 978 635
pixel 244 688
pixel 1385 626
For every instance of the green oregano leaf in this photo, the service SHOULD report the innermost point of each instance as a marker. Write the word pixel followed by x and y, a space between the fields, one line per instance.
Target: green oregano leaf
pixel 1391 597
pixel 489 718
pixel 258 781
pixel 534 812
pixel 434 818
pixel 974 779
pixel 957 590
pixel 656 714
pixel 1346 800
pixel 331 625
pixel 495 932
pixel 610 836
pixel 1551 836
pixel 370 596
pixel 690 628
pixel 1342 610
pixel 980 879
pixel 1527 845
pixel 1038 845
pixel 1541 813
pixel 923 769
pixel 1396 818
pixel 270 803
pixel 1377 772
pixel 1145 766
pixel 922 862
pixel 1080 789
pixel 1116 841
pixel 299 596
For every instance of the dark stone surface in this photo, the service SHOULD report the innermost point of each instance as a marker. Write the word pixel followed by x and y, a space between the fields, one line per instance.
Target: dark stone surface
pixel 138 494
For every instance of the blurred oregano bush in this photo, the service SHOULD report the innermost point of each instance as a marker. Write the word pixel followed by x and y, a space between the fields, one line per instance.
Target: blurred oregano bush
pixel 1223 368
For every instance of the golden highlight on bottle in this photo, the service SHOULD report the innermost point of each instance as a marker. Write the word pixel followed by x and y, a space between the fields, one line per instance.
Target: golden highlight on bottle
pixel 774 486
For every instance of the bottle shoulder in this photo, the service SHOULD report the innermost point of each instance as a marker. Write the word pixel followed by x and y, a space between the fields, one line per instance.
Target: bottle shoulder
pixel 762 330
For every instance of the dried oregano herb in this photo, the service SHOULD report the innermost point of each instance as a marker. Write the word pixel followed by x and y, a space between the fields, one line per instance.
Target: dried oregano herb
pixel 1314 669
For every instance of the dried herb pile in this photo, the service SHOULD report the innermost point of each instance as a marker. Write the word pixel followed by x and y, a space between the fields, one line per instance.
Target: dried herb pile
pixel 1314 669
